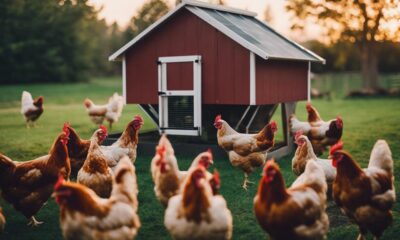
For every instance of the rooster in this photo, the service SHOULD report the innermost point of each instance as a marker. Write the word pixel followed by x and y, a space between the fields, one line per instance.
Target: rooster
pixel 366 196
pixel 294 213
pixel 95 172
pixel 28 185
pixel 320 133
pixel 125 145
pixel 2 221
pixel 84 215
pixel 305 153
pixel 245 151
pixel 114 109
pixel 167 177
pixel 31 109
pixel 77 148
pixel 197 213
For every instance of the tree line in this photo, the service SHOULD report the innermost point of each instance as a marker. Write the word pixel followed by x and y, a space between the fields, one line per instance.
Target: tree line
pixel 65 41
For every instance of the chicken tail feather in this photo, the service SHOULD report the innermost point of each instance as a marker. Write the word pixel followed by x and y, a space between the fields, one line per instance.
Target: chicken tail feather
pixel 381 156
pixel 6 164
pixel 125 184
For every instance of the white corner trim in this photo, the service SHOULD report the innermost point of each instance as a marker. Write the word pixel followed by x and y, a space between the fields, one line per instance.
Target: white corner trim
pixel 124 80
pixel 252 79
pixel 309 82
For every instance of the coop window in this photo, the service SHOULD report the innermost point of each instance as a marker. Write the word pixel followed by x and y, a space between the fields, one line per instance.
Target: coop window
pixel 179 90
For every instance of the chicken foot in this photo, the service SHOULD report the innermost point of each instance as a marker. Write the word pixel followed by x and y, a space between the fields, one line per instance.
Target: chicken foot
pixel 33 222
pixel 246 181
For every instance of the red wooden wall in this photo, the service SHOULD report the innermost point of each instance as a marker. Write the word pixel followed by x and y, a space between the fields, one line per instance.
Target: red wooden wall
pixel 225 64
pixel 280 81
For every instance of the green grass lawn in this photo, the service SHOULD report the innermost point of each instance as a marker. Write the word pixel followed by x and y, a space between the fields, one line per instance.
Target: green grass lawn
pixel 365 121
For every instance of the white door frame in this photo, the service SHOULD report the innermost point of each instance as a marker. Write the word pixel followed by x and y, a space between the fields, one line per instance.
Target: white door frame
pixel 163 94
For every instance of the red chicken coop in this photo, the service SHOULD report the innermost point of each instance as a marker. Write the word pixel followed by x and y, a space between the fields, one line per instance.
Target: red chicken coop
pixel 200 60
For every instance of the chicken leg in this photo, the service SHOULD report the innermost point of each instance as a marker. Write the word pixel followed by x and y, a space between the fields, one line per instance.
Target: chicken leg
pixel 33 222
pixel 246 181
pixel 360 236
pixel 28 124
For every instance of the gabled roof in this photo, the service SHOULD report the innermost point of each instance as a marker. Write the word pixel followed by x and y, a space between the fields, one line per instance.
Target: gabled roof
pixel 239 25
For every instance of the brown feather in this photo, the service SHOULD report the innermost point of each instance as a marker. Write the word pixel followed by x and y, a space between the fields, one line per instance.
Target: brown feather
pixel 31 183
pixel 77 150
pixel 195 203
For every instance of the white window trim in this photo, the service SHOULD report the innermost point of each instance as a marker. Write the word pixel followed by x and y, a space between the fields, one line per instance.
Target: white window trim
pixel 124 79
pixel 180 132
pixel 252 79
pixel 179 93
pixel 179 59
pixel 196 93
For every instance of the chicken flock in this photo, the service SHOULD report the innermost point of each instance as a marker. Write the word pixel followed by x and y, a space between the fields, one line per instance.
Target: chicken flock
pixel 103 201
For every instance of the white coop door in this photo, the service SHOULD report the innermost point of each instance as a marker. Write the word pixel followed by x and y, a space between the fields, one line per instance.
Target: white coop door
pixel 179 108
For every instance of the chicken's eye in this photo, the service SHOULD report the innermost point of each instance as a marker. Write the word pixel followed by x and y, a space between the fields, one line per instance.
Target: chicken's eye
pixel 337 156
pixel 271 172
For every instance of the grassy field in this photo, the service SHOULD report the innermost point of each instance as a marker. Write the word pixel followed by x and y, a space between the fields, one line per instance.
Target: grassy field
pixel 365 121
pixel 340 84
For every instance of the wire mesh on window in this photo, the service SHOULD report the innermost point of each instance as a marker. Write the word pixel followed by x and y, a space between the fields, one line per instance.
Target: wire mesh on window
pixel 180 112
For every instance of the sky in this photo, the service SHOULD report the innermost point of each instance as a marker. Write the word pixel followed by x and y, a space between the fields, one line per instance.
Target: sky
pixel 122 11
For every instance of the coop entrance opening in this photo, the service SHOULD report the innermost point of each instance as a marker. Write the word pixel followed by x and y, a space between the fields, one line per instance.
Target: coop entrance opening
pixel 179 91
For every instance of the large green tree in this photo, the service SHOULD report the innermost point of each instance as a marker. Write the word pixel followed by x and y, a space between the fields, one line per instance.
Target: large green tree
pixel 365 23
pixel 47 40
pixel 150 12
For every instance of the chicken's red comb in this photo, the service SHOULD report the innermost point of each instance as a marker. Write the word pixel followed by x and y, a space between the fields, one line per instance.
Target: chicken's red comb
pixel 66 129
pixel 138 118
pixel 339 120
pixel 59 182
pixel 217 118
pixel 66 126
pixel 298 134
pixel 338 146
pixel 161 150
pixel 269 163
pixel 103 128
pixel 273 124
